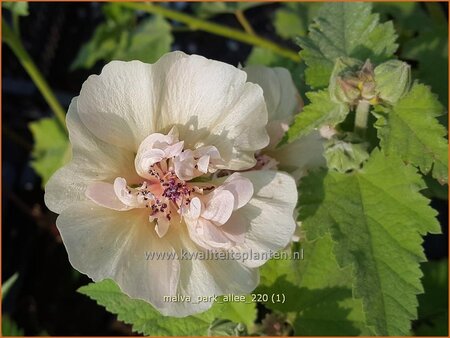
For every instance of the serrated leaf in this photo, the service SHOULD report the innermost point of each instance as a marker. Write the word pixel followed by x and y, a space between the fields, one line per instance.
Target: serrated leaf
pixel 314 288
pixel 51 147
pixel 344 29
pixel 147 320
pixel 377 218
pixel 411 130
pixel 224 327
pixel 321 111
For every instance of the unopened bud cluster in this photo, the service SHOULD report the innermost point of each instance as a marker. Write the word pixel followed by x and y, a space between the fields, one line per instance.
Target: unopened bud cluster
pixel 353 81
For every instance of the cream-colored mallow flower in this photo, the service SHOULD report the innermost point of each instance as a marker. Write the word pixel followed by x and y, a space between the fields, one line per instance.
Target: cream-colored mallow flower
pixel 283 102
pixel 139 201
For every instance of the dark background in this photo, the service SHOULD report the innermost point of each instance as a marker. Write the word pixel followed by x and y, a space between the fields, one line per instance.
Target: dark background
pixel 44 300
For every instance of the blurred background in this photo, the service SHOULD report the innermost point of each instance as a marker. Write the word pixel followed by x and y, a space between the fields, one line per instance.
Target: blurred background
pixel 70 41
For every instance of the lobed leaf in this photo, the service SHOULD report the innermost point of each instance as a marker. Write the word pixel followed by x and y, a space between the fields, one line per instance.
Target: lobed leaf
pixel 411 130
pixel 314 288
pixel 321 111
pixel 147 320
pixel 377 218
pixel 344 29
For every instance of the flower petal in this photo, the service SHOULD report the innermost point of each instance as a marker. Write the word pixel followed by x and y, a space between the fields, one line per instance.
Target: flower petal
pixel 211 104
pixel 241 188
pixel 124 194
pixel 127 96
pixel 280 93
pixel 218 206
pixel 301 155
pixel 92 160
pixel 201 279
pixel 104 243
pixel 103 194
pixel 270 213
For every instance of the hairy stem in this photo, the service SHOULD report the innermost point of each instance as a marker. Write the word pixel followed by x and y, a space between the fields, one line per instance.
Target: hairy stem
pixel 210 27
pixel 14 42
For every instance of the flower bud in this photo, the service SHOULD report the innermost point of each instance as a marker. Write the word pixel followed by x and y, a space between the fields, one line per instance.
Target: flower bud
pixel 343 83
pixel 352 81
pixel 393 79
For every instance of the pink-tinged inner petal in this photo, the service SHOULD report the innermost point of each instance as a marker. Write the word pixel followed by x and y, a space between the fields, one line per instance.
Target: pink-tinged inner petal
pixel 202 164
pixel 219 206
pixel 124 193
pixel 147 159
pixel 195 209
pixel 241 188
pixel 103 194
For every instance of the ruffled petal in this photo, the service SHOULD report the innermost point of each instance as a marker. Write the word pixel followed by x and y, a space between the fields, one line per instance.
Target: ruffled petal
pixel 103 194
pixel 211 104
pixel 269 214
pixel 120 106
pixel 218 206
pixel 104 243
pixel 92 160
pixel 204 279
pixel 241 188
pixel 280 93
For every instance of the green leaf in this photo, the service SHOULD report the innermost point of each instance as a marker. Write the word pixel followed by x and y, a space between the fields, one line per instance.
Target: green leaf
pixel 148 321
pixel 293 18
pixel 240 312
pixel 150 40
pixel 344 29
pixel 51 147
pixel 377 218
pixel 119 38
pixel 209 9
pixel 10 328
pixel 433 304
pixel 318 294
pixel 224 327
pixel 410 129
pixel 19 8
pixel 321 111
pixel 345 156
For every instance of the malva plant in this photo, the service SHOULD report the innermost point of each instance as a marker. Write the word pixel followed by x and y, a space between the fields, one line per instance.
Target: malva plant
pixel 186 154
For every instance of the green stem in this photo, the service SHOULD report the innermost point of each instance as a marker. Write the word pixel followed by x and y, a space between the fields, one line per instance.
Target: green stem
pixel 240 16
pixel 16 27
pixel 213 28
pixel 14 42
pixel 361 117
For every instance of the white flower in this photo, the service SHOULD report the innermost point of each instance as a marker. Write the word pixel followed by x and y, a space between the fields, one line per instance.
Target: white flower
pixel 283 102
pixel 146 140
